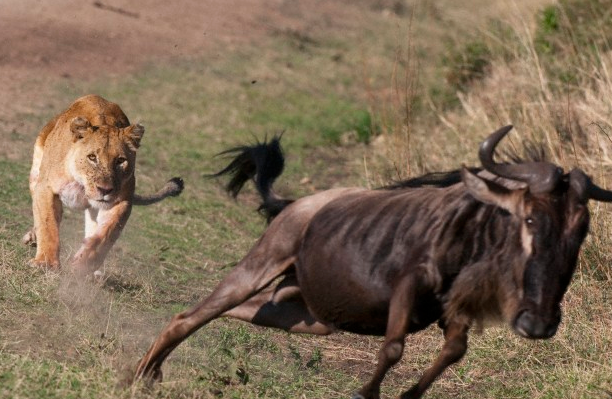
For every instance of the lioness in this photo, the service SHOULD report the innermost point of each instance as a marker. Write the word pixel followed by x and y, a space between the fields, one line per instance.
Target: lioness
pixel 85 159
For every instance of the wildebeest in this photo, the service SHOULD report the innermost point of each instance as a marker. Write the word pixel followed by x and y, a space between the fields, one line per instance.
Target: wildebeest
pixel 499 242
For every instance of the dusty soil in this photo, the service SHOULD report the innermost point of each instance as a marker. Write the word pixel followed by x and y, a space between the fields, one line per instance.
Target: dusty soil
pixel 46 43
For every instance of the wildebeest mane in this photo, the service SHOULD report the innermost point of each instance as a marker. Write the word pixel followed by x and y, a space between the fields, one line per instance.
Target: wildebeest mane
pixel 434 179
pixel 531 152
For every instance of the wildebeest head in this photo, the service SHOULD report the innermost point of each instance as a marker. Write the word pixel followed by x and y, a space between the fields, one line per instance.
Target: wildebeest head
pixel 552 210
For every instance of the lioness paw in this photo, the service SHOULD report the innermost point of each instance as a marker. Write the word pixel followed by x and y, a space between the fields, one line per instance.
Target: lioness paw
pixel 85 263
pixel 44 263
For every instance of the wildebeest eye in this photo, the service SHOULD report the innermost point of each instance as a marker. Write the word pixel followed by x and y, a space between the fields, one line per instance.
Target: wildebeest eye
pixel 529 221
pixel 121 161
pixel 92 157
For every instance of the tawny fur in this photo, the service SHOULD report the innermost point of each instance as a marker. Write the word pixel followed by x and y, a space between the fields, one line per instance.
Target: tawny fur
pixel 84 158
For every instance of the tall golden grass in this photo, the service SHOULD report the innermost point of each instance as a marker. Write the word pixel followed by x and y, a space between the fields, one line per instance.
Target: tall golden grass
pixel 571 120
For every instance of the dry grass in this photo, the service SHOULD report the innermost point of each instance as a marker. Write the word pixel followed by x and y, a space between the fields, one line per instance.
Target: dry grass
pixel 573 122
pixel 64 339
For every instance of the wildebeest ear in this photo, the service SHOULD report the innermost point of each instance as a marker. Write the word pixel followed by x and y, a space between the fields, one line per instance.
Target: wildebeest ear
pixel 79 127
pixel 579 184
pixel 134 134
pixel 492 193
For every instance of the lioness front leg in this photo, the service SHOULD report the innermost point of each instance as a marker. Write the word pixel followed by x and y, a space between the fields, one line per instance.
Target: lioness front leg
pixel 47 210
pixel 97 243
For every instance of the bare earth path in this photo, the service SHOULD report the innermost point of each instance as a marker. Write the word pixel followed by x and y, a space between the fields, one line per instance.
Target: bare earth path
pixel 46 43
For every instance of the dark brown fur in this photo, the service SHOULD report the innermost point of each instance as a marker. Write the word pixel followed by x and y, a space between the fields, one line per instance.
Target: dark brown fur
pixel 392 261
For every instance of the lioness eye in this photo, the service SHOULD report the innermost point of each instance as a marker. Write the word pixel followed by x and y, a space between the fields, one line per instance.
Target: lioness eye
pixel 92 157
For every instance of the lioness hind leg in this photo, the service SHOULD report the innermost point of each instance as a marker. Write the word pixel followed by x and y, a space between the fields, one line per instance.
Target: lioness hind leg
pixel 47 209
pixel 29 238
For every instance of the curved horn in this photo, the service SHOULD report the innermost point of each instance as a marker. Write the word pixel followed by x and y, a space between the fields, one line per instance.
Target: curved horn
pixel 586 189
pixel 598 194
pixel 541 177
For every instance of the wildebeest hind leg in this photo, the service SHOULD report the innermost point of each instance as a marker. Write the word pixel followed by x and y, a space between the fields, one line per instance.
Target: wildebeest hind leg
pixel 280 307
pixel 247 279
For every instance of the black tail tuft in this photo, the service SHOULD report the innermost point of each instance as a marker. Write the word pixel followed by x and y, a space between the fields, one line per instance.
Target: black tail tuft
pixel 262 162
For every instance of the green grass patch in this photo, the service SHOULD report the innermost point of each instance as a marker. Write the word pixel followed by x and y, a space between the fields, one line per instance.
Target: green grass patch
pixel 61 338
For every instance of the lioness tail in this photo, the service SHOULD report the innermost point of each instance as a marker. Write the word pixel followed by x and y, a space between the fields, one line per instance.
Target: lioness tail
pixel 172 188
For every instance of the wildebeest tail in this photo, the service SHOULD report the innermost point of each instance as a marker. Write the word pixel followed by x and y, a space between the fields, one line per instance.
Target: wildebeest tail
pixel 263 163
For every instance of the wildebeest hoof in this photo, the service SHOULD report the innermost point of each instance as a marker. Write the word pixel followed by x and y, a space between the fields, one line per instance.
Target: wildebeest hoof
pixel 152 377
pixel 157 375
pixel 131 377
pixel 357 395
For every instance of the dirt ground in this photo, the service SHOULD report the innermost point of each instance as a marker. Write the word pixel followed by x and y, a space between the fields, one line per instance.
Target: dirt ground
pixel 46 43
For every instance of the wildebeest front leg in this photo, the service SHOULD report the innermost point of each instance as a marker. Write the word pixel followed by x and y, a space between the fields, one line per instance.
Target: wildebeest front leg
pixel 400 308
pixel 247 279
pixel 453 350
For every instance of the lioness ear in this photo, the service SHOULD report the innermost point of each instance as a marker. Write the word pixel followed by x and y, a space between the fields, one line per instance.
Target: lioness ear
pixel 134 134
pixel 492 193
pixel 79 127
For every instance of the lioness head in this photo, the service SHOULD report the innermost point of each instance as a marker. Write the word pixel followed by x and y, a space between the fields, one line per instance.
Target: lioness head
pixel 102 159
